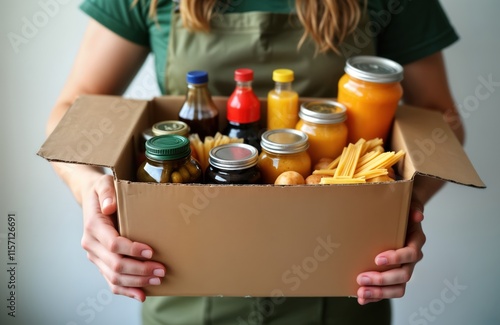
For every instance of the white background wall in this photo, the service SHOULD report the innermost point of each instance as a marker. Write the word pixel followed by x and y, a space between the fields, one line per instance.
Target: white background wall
pixel 56 284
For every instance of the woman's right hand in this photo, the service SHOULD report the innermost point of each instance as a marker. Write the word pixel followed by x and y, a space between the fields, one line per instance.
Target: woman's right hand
pixel 125 264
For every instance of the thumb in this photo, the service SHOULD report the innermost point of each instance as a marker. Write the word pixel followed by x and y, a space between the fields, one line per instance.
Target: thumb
pixel 105 190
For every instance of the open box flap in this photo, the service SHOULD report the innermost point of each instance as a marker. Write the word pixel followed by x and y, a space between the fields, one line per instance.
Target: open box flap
pixel 431 147
pixel 87 133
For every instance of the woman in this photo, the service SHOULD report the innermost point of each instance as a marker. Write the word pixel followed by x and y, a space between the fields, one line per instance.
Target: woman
pixel 311 37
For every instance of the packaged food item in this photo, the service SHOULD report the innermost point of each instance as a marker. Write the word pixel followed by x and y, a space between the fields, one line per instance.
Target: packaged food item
pixel 170 127
pixel 324 123
pixel 282 102
pixel 161 128
pixel 233 163
pixel 243 110
pixel 283 150
pixel 168 160
pixel 371 91
pixel 199 111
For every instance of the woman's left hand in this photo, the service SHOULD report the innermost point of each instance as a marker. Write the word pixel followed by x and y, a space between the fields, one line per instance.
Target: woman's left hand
pixel 376 286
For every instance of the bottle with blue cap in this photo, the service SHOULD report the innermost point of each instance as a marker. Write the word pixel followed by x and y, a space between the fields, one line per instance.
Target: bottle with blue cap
pixel 199 111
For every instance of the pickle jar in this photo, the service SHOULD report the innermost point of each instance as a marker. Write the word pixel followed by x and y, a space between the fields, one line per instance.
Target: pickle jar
pixel 324 123
pixel 371 91
pixel 233 163
pixel 283 150
pixel 168 160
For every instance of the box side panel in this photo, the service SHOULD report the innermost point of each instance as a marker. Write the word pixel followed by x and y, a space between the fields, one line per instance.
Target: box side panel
pixel 96 130
pixel 295 241
pixel 432 148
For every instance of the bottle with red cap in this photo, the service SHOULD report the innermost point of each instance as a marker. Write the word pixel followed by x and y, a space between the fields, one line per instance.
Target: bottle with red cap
pixel 243 110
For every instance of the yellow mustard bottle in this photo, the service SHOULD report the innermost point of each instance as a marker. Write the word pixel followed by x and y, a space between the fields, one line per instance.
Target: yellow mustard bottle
pixel 282 101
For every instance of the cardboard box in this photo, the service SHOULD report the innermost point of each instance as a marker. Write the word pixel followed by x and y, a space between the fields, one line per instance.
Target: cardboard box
pixel 255 240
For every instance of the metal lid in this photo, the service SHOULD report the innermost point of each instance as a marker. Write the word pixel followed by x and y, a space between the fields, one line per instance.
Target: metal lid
pixel 233 156
pixel 374 69
pixel 323 112
pixel 167 147
pixel 170 127
pixel 284 141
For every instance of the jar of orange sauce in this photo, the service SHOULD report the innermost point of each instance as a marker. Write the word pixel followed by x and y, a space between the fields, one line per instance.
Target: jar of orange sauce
pixel 283 150
pixel 371 91
pixel 323 122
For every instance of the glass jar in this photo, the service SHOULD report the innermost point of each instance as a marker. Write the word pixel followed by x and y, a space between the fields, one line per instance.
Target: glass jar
pixel 371 91
pixel 233 163
pixel 243 110
pixel 168 160
pixel 173 127
pixel 283 150
pixel 199 110
pixel 282 101
pixel 323 122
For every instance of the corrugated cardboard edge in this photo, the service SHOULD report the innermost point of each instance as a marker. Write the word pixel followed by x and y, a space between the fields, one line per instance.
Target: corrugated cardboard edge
pixel 88 136
pixel 431 147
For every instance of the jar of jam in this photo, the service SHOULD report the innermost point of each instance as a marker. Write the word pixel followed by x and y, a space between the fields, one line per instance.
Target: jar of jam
pixel 371 91
pixel 168 160
pixel 233 163
pixel 323 122
pixel 283 150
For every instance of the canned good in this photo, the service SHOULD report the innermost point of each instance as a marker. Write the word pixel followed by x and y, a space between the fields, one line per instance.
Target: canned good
pixel 323 122
pixel 371 91
pixel 168 160
pixel 283 150
pixel 233 163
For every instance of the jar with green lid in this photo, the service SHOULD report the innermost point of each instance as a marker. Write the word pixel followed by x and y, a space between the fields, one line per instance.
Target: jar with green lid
pixel 233 163
pixel 324 123
pixel 168 160
pixel 283 150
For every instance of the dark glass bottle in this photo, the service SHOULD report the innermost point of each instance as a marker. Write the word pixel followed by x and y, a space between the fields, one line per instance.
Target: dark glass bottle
pixel 199 111
pixel 243 110
pixel 234 163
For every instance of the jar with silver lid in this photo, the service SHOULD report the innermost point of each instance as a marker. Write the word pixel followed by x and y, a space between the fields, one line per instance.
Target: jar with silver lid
pixel 283 150
pixel 323 122
pixel 233 163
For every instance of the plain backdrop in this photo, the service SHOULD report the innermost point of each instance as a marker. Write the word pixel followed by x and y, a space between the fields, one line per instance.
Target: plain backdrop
pixel 456 283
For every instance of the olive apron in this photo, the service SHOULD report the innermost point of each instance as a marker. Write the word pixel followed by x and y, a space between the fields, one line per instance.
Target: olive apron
pixel 263 42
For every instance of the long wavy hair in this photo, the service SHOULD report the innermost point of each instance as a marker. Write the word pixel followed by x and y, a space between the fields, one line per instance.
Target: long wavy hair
pixel 326 22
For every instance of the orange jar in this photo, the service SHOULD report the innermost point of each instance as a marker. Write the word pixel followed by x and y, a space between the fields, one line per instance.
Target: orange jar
pixel 283 150
pixel 323 122
pixel 371 91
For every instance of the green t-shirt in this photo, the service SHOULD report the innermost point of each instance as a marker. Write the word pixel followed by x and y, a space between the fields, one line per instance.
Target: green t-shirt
pixel 403 31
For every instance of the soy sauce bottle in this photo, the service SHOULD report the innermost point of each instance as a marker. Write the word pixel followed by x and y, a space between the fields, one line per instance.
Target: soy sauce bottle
pixel 199 111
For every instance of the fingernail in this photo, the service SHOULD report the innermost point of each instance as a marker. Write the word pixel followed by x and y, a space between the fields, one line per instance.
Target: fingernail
pixel 154 281
pixel 159 272
pixel 381 261
pixel 367 294
pixel 107 202
pixel 364 281
pixel 147 253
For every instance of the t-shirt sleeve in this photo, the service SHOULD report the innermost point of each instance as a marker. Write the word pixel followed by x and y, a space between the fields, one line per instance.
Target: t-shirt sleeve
pixel 413 29
pixel 119 16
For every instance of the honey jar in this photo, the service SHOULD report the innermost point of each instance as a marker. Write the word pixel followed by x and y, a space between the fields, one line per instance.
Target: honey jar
pixel 323 122
pixel 371 91
pixel 283 150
